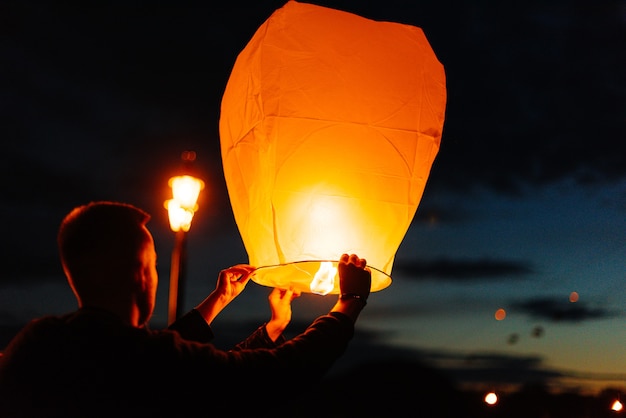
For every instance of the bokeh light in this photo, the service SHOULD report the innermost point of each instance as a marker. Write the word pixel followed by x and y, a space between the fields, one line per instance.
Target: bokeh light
pixel 500 314
pixel 491 398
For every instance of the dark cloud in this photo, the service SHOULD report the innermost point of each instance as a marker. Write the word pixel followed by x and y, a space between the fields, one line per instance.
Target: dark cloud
pixel 462 270
pixel 502 368
pixel 497 368
pixel 368 347
pixel 462 369
pixel 555 309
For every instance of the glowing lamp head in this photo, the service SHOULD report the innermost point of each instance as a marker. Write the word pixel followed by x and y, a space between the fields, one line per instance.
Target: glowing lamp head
pixel 186 190
pixel 180 218
pixel 329 125
pixel 180 209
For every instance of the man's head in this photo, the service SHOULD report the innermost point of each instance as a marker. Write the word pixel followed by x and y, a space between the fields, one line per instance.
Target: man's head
pixel 108 257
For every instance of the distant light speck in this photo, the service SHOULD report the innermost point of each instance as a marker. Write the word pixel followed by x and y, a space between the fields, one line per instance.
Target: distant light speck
pixel 500 314
pixel 491 398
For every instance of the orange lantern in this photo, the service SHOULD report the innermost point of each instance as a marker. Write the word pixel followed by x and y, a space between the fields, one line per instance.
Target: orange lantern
pixel 329 125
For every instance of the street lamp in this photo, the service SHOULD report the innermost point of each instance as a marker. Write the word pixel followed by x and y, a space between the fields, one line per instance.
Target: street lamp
pixel 180 209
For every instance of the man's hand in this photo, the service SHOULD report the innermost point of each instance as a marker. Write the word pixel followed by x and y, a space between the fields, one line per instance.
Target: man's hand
pixel 280 304
pixel 355 278
pixel 355 282
pixel 230 283
pixel 233 280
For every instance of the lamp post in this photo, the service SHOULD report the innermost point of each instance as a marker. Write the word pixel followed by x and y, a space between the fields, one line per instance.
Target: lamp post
pixel 180 209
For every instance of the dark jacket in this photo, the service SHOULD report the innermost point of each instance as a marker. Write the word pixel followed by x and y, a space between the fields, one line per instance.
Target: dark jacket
pixel 90 364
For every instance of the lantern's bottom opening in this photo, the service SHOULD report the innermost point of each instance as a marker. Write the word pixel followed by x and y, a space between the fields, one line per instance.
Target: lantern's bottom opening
pixel 299 275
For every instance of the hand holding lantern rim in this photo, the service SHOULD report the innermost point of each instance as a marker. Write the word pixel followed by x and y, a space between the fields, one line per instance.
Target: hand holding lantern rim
pixel 354 276
pixel 355 281
pixel 280 305
pixel 230 283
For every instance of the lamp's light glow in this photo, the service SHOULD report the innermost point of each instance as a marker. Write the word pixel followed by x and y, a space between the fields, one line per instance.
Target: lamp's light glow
pixel 186 190
pixel 324 280
pixel 180 209
pixel 180 218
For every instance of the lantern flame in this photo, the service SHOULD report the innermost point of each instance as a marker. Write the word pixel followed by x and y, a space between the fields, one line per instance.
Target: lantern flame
pixel 324 280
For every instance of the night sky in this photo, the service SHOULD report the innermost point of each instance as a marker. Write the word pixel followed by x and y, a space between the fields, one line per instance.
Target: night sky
pixel 525 204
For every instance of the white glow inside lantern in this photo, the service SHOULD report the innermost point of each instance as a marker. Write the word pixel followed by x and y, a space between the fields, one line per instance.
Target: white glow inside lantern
pixel 324 280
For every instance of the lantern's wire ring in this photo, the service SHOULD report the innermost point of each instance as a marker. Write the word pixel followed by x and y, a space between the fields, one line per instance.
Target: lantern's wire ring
pixel 298 274
pixel 310 261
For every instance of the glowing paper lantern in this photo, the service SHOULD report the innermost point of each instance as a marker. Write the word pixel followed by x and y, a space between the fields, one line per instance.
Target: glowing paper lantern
pixel 329 125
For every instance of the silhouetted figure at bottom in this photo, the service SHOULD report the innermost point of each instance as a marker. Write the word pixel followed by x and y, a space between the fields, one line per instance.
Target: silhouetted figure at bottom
pixel 102 360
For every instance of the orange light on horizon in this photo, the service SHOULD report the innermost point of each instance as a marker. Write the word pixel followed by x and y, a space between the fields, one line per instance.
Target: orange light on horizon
pixel 500 314
pixel 491 398
pixel 617 406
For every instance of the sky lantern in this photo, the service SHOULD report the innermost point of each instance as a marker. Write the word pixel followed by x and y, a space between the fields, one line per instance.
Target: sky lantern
pixel 329 125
